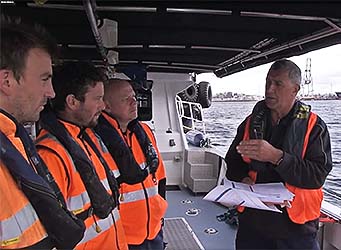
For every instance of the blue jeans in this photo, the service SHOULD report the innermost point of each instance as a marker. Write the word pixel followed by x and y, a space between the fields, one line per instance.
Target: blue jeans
pixel 155 244
pixel 251 240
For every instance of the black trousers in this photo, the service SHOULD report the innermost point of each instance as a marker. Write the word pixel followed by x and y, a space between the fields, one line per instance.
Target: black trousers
pixel 155 244
pixel 250 239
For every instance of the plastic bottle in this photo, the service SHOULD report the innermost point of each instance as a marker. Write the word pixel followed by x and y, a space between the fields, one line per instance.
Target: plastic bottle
pixel 195 138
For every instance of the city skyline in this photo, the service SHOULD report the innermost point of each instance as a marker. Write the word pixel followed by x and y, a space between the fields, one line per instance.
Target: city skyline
pixel 325 72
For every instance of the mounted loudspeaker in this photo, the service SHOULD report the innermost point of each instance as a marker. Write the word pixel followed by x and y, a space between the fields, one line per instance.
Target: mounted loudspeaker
pixel 109 32
pixel 112 57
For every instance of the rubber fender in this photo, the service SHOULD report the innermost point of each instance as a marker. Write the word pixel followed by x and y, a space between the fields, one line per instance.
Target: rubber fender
pixel 190 94
pixel 205 94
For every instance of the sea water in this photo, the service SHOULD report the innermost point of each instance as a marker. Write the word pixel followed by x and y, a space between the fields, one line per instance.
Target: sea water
pixel 222 120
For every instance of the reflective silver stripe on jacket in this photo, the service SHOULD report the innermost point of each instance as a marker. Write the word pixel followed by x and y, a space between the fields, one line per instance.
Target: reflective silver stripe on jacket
pixel 138 195
pixel 75 203
pixel 14 226
pixel 101 143
pixel 105 150
pixel 116 173
pixel 52 137
pixel 104 224
pixel 143 165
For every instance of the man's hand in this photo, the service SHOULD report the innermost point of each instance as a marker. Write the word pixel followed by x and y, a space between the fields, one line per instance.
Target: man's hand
pixel 283 204
pixel 247 180
pixel 260 150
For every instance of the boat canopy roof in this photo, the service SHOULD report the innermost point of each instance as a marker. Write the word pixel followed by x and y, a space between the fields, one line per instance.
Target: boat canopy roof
pixel 223 37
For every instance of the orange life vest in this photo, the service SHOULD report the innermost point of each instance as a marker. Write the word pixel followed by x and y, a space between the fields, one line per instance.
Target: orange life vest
pixel 140 221
pixel 106 232
pixel 307 202
pixel 19 222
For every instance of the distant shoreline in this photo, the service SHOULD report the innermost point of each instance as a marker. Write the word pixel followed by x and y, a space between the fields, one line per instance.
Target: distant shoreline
pixel 234 100
pixel 313 99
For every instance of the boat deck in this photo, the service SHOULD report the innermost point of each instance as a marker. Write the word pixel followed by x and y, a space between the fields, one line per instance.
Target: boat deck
pixel 200 226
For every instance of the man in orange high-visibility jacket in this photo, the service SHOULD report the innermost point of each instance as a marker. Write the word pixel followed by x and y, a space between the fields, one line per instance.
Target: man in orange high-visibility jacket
pixel 25 86
pixel 281 141
pixel 64 145
pixel 142 201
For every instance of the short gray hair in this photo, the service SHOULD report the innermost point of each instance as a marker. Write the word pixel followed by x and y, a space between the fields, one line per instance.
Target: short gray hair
pixel 293 70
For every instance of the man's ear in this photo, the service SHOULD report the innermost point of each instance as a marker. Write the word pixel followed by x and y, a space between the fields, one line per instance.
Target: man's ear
pixel 5 81
pixel 297 88
pixel 107 105
pixel 71 102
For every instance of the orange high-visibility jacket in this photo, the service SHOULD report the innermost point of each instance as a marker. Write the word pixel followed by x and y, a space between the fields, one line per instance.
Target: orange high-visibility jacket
pixel 61 166
pixel 307 202
pixel 141 221
pixel 19 224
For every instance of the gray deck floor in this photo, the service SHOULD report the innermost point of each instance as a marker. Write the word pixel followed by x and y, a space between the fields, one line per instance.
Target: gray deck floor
pixel 205 219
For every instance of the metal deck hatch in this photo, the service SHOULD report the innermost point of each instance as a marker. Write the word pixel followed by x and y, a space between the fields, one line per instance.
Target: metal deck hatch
pixel 179 235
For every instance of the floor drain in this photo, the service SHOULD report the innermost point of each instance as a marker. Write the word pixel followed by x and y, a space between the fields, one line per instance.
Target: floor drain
pixel 211 231
pixel 193 212
pixel 187 201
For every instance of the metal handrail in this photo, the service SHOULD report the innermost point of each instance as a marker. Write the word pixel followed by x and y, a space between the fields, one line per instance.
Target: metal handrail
pixel 192 113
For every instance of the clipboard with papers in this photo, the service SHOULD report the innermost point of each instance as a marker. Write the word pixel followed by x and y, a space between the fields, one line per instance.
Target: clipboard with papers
pixel 259 196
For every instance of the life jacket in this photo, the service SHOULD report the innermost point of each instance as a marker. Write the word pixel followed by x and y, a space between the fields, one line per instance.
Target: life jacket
pixel 107 231
pixel 307 202
pixel 101 202
pixel 90 137
pixel 63 229
pixel 142 197
pixel 130 171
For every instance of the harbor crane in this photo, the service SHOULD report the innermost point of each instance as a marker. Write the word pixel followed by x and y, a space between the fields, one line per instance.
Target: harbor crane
pixel 307 83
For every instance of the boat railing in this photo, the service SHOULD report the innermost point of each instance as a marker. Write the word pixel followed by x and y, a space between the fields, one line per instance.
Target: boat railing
pixel 332 196
pixel 191 115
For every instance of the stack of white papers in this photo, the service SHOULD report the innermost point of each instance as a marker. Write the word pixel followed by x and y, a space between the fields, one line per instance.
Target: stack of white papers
pixel 259 196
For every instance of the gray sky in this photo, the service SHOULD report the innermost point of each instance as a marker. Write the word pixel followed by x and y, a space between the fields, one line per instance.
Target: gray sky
pixel 325 71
